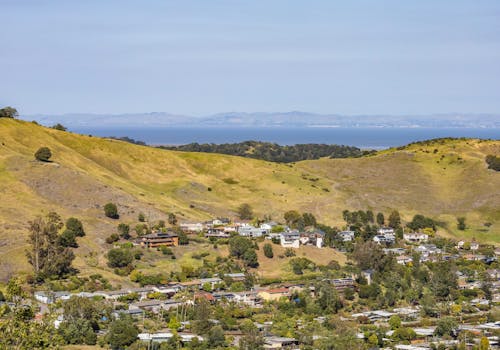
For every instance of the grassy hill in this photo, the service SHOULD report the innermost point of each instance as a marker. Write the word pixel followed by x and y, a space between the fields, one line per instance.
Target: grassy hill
pixel 441 179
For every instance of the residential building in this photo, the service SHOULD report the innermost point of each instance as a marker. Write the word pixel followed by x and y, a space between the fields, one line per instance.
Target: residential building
pixel 273 294
pixel 159 239
pixel 416 237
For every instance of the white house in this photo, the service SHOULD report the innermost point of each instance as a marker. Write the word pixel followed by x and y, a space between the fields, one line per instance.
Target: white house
pixel 416 237
pixel 290 239
pixel 385 231
pixel 346 236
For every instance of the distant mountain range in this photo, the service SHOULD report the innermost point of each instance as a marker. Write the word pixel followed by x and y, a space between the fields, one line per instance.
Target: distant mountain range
pixel 262 119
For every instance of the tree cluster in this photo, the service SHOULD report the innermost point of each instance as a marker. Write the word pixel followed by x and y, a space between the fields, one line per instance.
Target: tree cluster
pixel 273 152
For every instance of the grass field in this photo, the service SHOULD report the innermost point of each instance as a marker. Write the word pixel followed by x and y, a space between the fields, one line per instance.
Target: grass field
pixel 441 180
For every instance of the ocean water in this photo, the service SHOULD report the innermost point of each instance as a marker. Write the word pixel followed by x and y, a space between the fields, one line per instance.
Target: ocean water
pixel 367 138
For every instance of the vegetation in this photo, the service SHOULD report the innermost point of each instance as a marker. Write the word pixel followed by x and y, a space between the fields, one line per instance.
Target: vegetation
pixel 43 154
pixel 268 251
pixel 245 211
pixel 48 254
pixel 8 112
pixel 111 211
pixel 59 127
pixel 493 162
pixel 273 152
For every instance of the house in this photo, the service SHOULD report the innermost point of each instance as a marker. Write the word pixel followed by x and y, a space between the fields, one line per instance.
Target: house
pixel 387 238
pixel 395 251
pixel 217 232
pixel 165 336
pixel 385 231
pixel 290 239
pixel 192 227
pixel 404 259
pixel 474 245
pixel 273 294
pixel 346 236
pixel 250 231
pixel 250 298
pixel 342 283
pixel 416 237
pixel 47 297
pixel 368 275
pixel 158 239
pixel 273 342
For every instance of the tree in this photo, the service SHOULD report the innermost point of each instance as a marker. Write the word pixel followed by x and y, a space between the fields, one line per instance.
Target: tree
pixel 119 257
pixel 268 251
pixel 445 326
pixel 141 217
pixel 77 332
pixel 380 219
pixel 122 332
pixel 309 219
pixel 8 112
pixel 250 258
pixel 292 218
pixel 59 127
pixel 484 344
pixel 46 254
pixel 43 154
pixel 395 322
pixel 201 323
pixel 245 211
pixel 123 230
pixel 76 226
pixel 216 337
pixel 369 255
pixel 111 211
pixel 394 219
pixel 238 245
pixel 68 239
pixel 461 223
pixel 444 279
pixel 172 219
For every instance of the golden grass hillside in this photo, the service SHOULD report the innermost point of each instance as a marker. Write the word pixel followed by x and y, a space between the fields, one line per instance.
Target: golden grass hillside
pixel 87 172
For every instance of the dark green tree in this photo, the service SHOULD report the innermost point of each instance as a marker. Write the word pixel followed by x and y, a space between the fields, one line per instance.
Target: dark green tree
pixel 461 223
pixel 59 127
pixel 394 219
pixel 76 226
pixel 172 219
pixel 122 332
pixel 141 217
pixel 111 210
pixel 8 112
pixel 124 230
pixel 245 211
pixel 119 257
pixel 380 219
pixel 268 251
pixel 43 154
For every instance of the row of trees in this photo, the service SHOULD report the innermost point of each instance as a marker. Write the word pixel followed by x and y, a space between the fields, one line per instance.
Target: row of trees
pixel 273 152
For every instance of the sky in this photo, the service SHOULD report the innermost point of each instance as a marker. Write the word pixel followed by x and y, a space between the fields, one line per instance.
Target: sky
pixel 208 56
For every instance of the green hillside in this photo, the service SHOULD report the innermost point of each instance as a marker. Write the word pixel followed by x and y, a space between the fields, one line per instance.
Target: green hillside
pixel 440 179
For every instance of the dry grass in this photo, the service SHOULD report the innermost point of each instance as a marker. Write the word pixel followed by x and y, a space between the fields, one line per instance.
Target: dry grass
pixel 88 172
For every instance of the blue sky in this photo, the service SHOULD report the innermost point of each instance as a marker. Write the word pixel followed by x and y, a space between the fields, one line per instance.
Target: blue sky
pixel 208 56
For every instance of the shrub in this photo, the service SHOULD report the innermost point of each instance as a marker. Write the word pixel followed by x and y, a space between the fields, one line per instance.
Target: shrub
pixel 268 251
pixel 124 230
pixel 119 257
pixel 289 252
pixel 112 238
pixel 43 154
pixel 111 211
pixel 141 217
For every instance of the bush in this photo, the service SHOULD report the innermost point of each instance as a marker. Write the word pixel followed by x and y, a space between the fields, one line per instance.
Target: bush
pixel 43 154
pixel 124 230
pixel 111 211
pixel 119 257
pixel 112 238
pixel 59 127
pixel 76 226
pixel 289 252
pixel 141 217
pixel 268 251
pixel 8 112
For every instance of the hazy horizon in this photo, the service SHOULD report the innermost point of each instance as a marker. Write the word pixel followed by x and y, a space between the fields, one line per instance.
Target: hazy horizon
pixel 200 58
